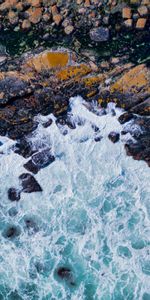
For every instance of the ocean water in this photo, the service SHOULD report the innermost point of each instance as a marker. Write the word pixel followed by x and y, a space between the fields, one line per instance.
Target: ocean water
pixel 92 218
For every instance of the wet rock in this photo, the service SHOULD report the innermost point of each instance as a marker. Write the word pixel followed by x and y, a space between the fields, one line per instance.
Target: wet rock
pixel 114 136
pixel 29 183
pixel 126 117
pixel 11 232
pixel 48 123
pixel 13 194
pixel 100 34
pixel 39 160
pixel 66 274
pixel 98 138
pixel 24 148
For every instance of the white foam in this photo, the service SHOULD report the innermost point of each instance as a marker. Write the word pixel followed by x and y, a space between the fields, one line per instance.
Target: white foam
pixel 71 208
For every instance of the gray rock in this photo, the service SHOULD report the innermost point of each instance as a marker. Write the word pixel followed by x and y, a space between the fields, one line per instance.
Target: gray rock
pixel 100 34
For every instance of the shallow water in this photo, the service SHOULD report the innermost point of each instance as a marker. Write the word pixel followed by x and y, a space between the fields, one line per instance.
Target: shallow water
pixel 91 218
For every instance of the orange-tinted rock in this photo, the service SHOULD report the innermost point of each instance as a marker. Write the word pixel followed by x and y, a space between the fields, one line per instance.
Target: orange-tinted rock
pixel 75 72
pixel 26 24
pixel 141 23
pixel 126 13
pixel 34 3
pixel 13 17
pixel 35 15
pixel 19 6
pixel 57 19
pixel 8 4
pixel 87 3
pixel 91 81
pixel 135 80
pixel 48 60
pixel 46 17
pixel 54 10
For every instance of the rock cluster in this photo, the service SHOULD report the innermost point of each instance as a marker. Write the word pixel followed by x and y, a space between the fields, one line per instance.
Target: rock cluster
pixel 73 15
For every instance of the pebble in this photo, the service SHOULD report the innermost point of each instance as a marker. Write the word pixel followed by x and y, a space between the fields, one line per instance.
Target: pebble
pixel 128 23
pixel 57 19
pixel 141 23
pixel 69 29
pixel 126 13
pixel 26 24
pixel 143 11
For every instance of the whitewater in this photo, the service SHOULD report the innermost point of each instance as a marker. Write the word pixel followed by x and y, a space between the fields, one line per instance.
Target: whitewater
pixel 92 217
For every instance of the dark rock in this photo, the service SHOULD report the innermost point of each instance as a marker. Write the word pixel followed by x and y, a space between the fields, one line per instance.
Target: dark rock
pixel 48 123
pixel 13 194
pixel 114 136
pixel 142 108
pixel 135 149
pixel 98 139
pixel 100 34
pixel 31 167
pixel 66 274
pixel 39 160
pixel 29 183
pixel 11 232
pixel 23 147
pixel 11 87
pixel 126 117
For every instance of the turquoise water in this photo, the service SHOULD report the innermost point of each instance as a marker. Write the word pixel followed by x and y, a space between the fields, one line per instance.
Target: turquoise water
pixel 92 217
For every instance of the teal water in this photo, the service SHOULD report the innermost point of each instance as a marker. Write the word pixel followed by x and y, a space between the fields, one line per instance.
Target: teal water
pixel 91 218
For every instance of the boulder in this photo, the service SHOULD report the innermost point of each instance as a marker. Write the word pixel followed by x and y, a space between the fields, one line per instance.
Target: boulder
pixel 39 160
pixel 100 34
pixel 29 183
pixel 114 136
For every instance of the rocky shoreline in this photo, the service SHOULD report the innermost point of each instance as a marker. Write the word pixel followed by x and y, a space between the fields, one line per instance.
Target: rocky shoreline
pixel 44 81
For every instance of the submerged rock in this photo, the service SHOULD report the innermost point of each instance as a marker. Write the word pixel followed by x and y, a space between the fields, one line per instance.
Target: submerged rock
pixel 11 232
pixel 66 274
pixel 29 183
pixel 13 194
